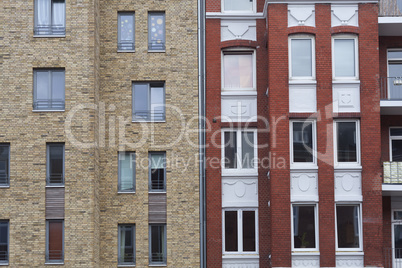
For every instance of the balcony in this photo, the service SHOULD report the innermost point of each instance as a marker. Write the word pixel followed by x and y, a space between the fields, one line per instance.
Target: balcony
pixel 392 178
pixel 390 18
pixel 391 96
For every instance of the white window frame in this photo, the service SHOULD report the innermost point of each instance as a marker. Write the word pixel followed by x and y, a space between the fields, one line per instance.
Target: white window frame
pixel 239 11
pixel 133 162
pixel 346 36
pixel 360 226
pixel 302 36
pixel 239 171
pixel 238 51
pixel 391 138
pixel 341 165
pixel 316 226
pixel 240 231
pixel 388 78
pixel 303 165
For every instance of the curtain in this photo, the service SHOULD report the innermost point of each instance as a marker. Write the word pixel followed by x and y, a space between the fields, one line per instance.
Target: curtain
pixel 58 18
pixel 43 12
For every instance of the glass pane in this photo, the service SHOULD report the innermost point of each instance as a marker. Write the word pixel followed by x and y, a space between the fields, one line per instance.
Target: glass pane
pixel 238 5
pixel 344 57
pixel 346 142
pixel 394 83
pixel 302 142
pixel 127 243
pixel 58 13
pixel 396 131
pixel 347 226
pixel 126 27
pixel 398 241
pixel 157 171
pixel 56 163
pixel 157 103
pixel 398 215
pixel 238 70
pixel 43 13
pixel 231 231
pixel 55 240
pixel 58 85
pixel 303 227
pixel 3 241
pixel 248 230
pixel 396 150
pixel 126 171
pixel 247 143
pixel 141 101
pixel 156 29
pixel 394 54
pixel 301 57
pixel 42 86
pixel 157 244
pixel 4 159
pixel 230 150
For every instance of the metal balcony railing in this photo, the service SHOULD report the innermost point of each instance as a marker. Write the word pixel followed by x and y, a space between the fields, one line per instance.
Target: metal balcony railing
pixel 149 115
pixel 391 88
pixel 156 45
pixel 123 45
pixel 158 258
pixel 50 30
pixel 393 258
pixel 3 256
pixel 128 258
pixel 392 172
pixel 3 179
pixel 55 179
pixel 54 256
pixel 390 8
pixel 48 104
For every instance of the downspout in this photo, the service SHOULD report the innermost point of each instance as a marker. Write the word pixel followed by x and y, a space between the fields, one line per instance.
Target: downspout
pixel 201 128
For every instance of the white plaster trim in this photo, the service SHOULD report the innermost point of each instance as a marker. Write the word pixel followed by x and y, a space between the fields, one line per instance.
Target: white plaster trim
pixel 385 20
pixel 302 82
pixel 239 93
pixel 243 16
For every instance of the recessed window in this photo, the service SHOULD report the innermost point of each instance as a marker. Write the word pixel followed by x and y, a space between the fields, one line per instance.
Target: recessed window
pixel 238 5
pixel 302 57
pixel 345 57
pixel 394 80
pixel 157 244
pixel 238 70
pixel 55 164
pixel 4 164
pixel 240 233
pixel 126 31
pixel 347 142
pixel 49 87
pixel 126 244
pixel 50 17
pixel 303 142
pixel 156 31
pixel 157 172
pixel 149 101
pixel 395 144
pixel 126 172
pixel 304 227
pixel 348 226
pixel 4 241
pixel 55 241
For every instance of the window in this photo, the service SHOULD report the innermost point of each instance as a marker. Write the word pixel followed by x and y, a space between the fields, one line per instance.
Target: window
pixel 157 172
pixel 302 57
pixel 126 172
pixel 4 242
pixel 157 244
pixel 238 5
pixel 4 164
pixel 149 101
pixel 126 31
pixel 347 145
pixel 239 151
pixel 394 80
pixel 156 31
pixel 126 244
pixel 54 241
pixel 345 57
pixel 50 17
pixel 305 233
pixel 55 164
pixel 395 144
pixel 49 87
pixel 348 227
pixel 238 70
pixel 303 144
pixel 240 234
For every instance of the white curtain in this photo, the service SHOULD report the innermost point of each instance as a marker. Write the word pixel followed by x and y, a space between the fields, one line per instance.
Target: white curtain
pixel 43 12
pixel 58 19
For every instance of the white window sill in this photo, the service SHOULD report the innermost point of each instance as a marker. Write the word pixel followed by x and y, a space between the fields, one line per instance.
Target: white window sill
pixel 350 252
pixel 158 265
pixel 294 81
pixel 4 186
pixel 239 172
pixel 307 252
pixel 236 255
pixel 143 121
pixel 3 263
pixel 155 192
pixel 42 111
pixel 251 92
pixel 156 51
pixel 345 81
pixel 231 15
pixel 126 265
pixel 54 263
pixel 55 186
pixel 303 167
pixel 49 36
pixel 339 167
pixel 125 51
pixel 119 192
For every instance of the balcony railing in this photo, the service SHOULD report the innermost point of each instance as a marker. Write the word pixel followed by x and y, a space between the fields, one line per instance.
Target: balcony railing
pixel 3 256
pixel 3 179
pixel 149 115
pixel 55 179
pixel 390 8
pixel 156 45
pixel 124 45
pixel 391 88
pixel 393 258
pixel 50 30
pixel 392 172
pixel 55 256
pixel 48 104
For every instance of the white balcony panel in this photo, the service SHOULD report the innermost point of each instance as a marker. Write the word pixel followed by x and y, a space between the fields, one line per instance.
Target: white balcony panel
pixel 346 98
pixel 304 186
pixel 302 98
pixel 239 108
pixel 348 185
pixel 239 192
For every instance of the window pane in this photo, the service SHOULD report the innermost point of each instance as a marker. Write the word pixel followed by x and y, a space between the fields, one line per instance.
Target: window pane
pixel 58 14
pixel 56 163
pixel 398 215
pixel 346 142
pixel 231 231
pixel 156 31
pixel 58 85
pixel 302 142
pixel 55 241
pixel 248 230
pixel 126 31
pixel 347 226
pixel 3 241
pixel 344 57
pixel 158 244
pixel 238 5
pixel 230 150
pixel 396 131
pixel 127 244
pixel 141 100
pixel 247 143
pixel 395 72
pixel 397 150
pixel 126 171
pixel 157 103
pixel 157 171
pixel 43 13
pixel 238 70
pixel 42 85
pixel 301 57
pixel 4 162
pixel 394 54
pixel 303 227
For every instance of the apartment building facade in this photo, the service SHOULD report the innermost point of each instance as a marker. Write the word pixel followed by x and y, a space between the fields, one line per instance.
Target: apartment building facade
pixel 99 100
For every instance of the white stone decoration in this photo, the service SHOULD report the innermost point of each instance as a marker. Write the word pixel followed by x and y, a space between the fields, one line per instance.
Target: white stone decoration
pixel 301 15
pixel 348 185
pixel 304 185
pixel 354 261
pixel 305 261
pixel 240 263
pixel 346 98
pixel 238 30
pixel 240 192
pixel 344 15
pixel 239 108
pixel 302 98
